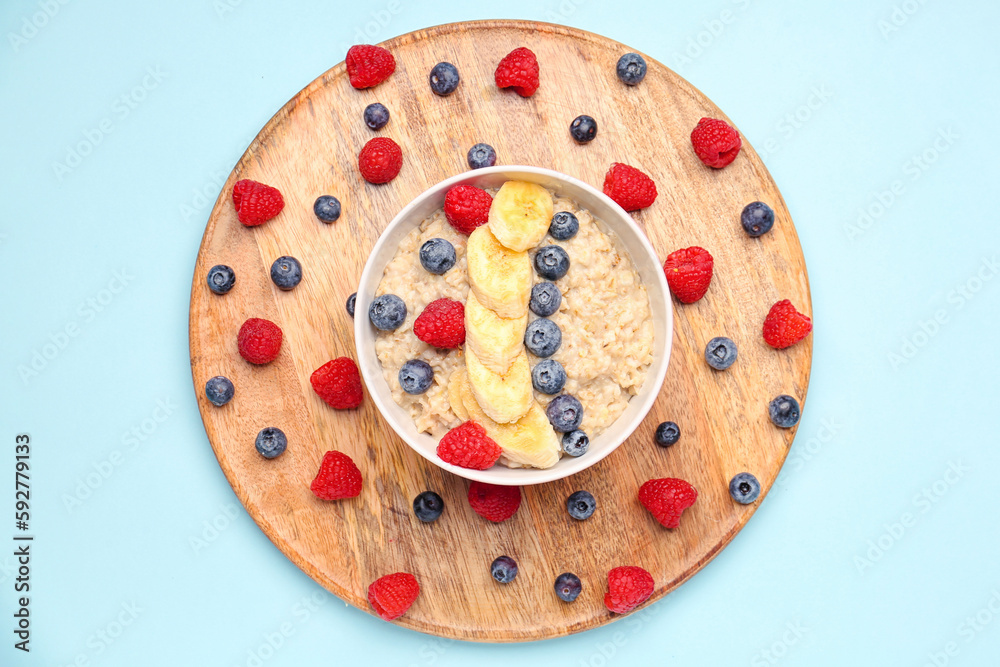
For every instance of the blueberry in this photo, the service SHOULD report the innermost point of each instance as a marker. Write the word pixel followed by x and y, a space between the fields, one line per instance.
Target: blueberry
pixel 548 377
pixel 720 353
pixel 504 569
pixel 286 272
pixel 437 255
pixel 784 411
pixel 221 278
pixel 757 218
pixel 376 116
pixel 219 390
pixel 551 262
pixel 542 337
pixel 744 488
pixel 565 413
pixel 415 376
pixel 631 69
pixel 583 129
pixel 327 208
pixel 428 506
pixel 545 299
pixel 444 79
pixel 482 155
pixel 667 433
pixel 568 586
pixel 575 443
pixel 581 505
pixel 564 226
pixel 271 442
pixel 387 312
pixel 351 300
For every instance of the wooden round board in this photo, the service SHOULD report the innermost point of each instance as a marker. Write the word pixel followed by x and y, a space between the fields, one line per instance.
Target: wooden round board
pixel 310 148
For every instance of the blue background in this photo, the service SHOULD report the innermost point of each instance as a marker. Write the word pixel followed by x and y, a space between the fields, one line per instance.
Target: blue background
pixel 879 543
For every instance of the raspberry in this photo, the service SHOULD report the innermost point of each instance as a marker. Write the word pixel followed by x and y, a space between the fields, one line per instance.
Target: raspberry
pixel 715 142
pixel 628 187
pixel 259 341
pixel 380 160
pixel 494 503
pixel 390 596
pixel 785 326
pixel 368 65
pixel 255 202
pixel 628 587
pixel 337 478
pixel 442 324
pixel 338 383
pixel 468 446
pixel 667 498
pixel 467 207
pixel 689 273
pixel 518 70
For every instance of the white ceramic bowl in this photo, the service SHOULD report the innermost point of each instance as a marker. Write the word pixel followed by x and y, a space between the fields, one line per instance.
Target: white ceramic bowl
pixel 614 221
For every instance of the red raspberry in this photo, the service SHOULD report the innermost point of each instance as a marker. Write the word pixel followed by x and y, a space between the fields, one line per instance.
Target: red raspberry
pixel 467 207
pixel 259 341
pixel 785 326
pixel 442 324
pixel 338 383
pixel 518 70
pixel 628 187
pixel 468 446
pixel 380 160
pixel 667 498
pixel 255 202
pixel 337 478
pixel 368 65
pixel 715 142
pixel 689 273
pixel 494 503
pixel 391 595
pixel 628 587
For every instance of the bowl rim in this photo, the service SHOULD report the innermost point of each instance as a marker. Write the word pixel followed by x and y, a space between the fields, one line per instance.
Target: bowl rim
pixel 528 476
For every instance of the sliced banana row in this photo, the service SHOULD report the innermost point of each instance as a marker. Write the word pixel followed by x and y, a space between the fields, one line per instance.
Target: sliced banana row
pixel 496 387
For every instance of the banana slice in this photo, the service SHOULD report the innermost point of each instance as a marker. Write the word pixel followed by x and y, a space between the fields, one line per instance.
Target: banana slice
pixel 496 341
pixel 530 441
pixel 499 277
pixel 521 214
pixel 504 397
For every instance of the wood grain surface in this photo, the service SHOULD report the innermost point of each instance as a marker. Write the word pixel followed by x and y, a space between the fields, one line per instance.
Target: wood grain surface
pixel 310 148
